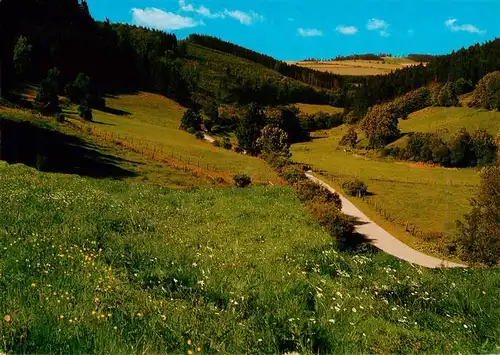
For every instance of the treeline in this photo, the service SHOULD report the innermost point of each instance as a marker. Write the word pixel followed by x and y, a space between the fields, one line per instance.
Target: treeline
pixel 423 58
pixel 62 34
pixel 470 64
pixel 269 92
pixel 367 56
pixel 462 150
pixel 309 76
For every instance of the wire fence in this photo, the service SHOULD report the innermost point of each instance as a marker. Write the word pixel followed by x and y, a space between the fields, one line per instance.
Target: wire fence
pixel 409 227
pixel 160 154
pixel 196 166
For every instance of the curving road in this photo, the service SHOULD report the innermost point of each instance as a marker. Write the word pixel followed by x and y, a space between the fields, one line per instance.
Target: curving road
pixel 383 240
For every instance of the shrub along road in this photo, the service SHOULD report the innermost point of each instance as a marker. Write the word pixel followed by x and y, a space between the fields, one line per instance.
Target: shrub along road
pixel 381 239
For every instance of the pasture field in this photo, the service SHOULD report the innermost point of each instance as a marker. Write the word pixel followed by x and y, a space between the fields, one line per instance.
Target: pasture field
pixel 358 67
pixel 428 198
pixel 153 121
pixel 312 109
pixel 102 266
pixel 448 120
pixel 62 148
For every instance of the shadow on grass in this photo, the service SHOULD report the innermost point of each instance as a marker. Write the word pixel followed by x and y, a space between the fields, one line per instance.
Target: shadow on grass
pixel 356 242
pixel 103 123
pixel 48 150
pixel 114 111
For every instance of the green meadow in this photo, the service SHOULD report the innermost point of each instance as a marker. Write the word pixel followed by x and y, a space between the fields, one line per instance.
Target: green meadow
pixel 94 265
pixel 428 198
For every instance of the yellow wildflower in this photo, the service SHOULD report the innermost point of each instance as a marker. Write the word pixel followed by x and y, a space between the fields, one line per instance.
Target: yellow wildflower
pixel 33 284
pixel 189 342
pixel 190 352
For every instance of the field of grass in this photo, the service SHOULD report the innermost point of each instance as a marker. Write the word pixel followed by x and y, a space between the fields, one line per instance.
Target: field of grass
pixel 97 266
pixel 62 148
pixel 448 120
pixel 358 67
pixel 153 121
pixel 428 198
pixel 312 109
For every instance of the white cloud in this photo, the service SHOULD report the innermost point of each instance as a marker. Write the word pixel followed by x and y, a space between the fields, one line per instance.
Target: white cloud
pixel 381 26
pixel 347 30
pixel 376 24
pixel 309 32
pixel 202 10
pixel 452 25
pixel 244 17
pixel 161 20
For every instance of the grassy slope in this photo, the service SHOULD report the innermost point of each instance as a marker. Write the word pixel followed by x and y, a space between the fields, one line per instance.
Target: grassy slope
pixel 312 109
pixel 213 65
pixel 141 169
pixel 450 119
pixel 429 198
pixel 154 121
pixel 105 267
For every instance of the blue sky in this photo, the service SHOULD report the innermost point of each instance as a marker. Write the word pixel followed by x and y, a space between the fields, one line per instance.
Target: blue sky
pixel 297 29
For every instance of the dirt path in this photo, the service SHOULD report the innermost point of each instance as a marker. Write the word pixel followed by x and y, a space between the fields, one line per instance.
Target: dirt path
pixel 208 138
pixel 384 240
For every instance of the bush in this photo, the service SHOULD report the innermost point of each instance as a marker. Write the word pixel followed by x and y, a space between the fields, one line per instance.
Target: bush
pixel 292 174
pixel 47 100
pixel 208 124
pixel 381 125
pixel 323 212
pixel 321 120
pixel 425 147
pixel 355 187
pixel 275 161
pixel 462 86
pixel 79 89
pixel 85 112
pixel 199 135
pixel 60 117
pixel 242 180
pixel 217 143
pixel 351 118
pixel 350 139
pixel 226 143
pixel 273 140
pixel 249 129
pixel 484 147
pixel 461 149
pixel 308 191
pixel 487 93
pixel 191 119
pixel 447 96
pixel 478 236
pixel 216 129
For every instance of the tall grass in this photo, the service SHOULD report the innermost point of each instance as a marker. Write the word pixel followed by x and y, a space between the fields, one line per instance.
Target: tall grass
pixel 103 266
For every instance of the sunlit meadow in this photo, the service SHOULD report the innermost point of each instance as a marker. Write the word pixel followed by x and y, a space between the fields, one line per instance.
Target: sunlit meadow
pixel 107 267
